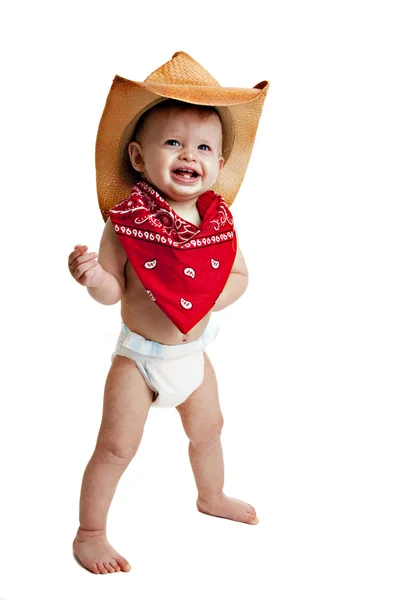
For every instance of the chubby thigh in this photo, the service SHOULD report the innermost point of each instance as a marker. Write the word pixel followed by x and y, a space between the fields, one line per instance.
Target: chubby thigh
pixel 127 400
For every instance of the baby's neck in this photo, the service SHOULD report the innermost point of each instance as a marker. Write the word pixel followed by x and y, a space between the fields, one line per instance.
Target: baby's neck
pixel 186 210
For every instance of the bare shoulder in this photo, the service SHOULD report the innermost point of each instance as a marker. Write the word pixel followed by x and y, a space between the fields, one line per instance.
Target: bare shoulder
pixel 112 256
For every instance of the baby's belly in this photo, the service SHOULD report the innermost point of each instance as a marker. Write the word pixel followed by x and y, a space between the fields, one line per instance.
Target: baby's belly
pixel 141 315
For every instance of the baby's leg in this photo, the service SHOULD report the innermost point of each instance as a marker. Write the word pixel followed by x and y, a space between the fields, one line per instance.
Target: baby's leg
pixel 127 400
pixel 202 420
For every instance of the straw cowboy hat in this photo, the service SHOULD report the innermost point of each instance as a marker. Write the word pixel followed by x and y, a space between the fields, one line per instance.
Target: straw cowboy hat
pixel 181 78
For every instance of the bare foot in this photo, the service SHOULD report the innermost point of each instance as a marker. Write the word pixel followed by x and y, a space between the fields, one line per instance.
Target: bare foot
pixel 229 508
pixel 95 553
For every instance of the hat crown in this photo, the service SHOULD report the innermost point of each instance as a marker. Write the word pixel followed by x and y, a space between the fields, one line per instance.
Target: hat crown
pixel 182 69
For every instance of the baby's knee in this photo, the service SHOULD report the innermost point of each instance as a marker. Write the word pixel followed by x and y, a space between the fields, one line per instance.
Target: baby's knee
pixel 204 433
pixel 116 449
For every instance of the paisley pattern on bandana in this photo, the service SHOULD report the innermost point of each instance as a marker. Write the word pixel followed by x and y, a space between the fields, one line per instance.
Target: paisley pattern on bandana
pixel 184 268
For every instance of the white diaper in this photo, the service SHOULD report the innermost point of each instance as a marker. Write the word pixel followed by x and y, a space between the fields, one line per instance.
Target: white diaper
pixel 172 372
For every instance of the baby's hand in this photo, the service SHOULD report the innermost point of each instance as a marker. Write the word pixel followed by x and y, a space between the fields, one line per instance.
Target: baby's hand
pixel 84 267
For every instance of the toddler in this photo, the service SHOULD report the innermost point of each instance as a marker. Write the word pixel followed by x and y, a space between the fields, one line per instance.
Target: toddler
pixel 169 253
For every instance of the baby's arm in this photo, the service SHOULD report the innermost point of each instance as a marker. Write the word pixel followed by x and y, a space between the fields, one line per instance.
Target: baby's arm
pixel 104 277
pixel 236 284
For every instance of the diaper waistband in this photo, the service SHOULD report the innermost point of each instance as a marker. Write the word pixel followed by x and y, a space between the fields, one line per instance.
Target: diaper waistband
pixel 145 347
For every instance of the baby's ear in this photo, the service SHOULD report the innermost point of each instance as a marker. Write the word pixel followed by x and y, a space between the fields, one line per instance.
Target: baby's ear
pixel 220 165
pixel 135 154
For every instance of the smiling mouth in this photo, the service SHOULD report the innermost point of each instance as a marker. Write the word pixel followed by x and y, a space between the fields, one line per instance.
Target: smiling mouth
pixel 186 173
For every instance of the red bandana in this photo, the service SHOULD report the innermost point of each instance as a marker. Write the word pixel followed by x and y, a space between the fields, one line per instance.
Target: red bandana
pixel 183 268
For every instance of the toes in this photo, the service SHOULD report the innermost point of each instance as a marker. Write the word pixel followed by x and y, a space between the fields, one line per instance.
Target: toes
pixel 109 567
pixel 252 510
pixel 101 568
pixel 95 569
pixel 123 563
pixel 115 565
pixel 251 519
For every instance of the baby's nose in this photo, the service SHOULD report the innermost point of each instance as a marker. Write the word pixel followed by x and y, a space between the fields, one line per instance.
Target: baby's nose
pixel 188 154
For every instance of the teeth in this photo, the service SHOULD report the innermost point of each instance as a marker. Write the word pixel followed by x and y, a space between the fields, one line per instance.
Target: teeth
pixel 187 171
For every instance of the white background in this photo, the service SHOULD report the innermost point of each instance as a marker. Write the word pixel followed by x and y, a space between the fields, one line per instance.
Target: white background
pixel 307 360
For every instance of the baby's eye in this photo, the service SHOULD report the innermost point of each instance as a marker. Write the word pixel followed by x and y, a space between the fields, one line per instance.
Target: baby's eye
pixel 172 143
pixel 204 147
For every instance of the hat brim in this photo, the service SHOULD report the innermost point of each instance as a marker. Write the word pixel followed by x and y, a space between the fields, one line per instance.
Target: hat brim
pixel 239 110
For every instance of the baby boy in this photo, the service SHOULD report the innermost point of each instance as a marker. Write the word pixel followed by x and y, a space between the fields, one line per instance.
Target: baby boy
pixel 177 154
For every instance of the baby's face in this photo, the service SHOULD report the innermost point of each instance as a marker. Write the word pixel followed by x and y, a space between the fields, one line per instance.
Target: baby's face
pixel 179 152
